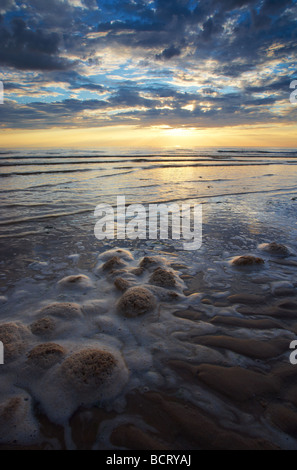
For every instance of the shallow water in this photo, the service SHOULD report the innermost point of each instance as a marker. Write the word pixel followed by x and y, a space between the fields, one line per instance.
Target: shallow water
pixel 37 184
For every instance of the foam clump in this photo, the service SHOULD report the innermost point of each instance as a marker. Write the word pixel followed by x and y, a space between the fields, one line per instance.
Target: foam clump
pixel 17 423
pixel 45 355
pixel 66 310
pixel 149 262
pixel 38 265
pixel 43 326
pixel 77 281
pixel 163 294
pixel 3 299
pixel 247 260
pixel 88 368
pixel 136 301
pixel 13 336
pixel 94 307
pixel 113 263
pixel 122 284
pixel 118 252
pixel 86 377
pixel 163 278
pixel 276 249
pixel 74 257
pixel 137 271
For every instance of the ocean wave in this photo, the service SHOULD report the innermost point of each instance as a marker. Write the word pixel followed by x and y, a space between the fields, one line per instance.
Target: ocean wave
pixel 43 216
pixel 30 173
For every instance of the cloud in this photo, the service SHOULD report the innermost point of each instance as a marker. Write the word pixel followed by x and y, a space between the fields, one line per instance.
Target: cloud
pixel 89 86
pixel 152 105
pixel 24 48
pixel 192 62
pixel 6 5
pixel 168 53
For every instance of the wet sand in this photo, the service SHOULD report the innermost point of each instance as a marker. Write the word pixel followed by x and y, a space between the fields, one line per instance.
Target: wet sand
pixel 229 383
pixel 140 345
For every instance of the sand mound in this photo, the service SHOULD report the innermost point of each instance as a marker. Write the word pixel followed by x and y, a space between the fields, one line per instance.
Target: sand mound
pixel 174 417
pixel 247 299
pixel 122 284
pixel 43 326
pixel 113 263
pixel 162 278
pixel 276 249
pixel 118 252
pixel 136 301
pixel 46 355
pixel 284 417
pixel 264 324
pixel 66 310
pixel 13 336
pixel 284 309
pixel 78 281
pixel 248 347
pixel 237 383
pixel 88 368
pixel 247 260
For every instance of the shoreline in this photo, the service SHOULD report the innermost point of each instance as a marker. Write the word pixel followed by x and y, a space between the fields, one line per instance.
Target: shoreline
pixel 217 343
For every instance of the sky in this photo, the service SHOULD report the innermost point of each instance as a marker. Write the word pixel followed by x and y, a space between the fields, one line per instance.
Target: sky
pixel 148 73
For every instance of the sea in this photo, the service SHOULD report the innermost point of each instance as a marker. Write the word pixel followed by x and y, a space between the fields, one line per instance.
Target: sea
pixel 39 185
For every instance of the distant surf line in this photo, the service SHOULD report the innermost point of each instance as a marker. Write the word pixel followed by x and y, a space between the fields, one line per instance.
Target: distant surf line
pixel 168 201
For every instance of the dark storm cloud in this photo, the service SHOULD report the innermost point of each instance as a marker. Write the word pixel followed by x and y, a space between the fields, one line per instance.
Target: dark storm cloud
pixel 200 26
pixel 6 5
pixel 24 48
pixel 168 53
pixel 278 86
pixel 89 87
pixel 168 26
pixel 273 7
pixel 157 25
pixel 66 107
pixel 59 15
pixel 41 115
pixel 210 28
pixel 229 5
pixel 127 96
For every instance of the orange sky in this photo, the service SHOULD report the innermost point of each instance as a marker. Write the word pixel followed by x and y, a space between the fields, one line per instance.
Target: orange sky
pixel 155 137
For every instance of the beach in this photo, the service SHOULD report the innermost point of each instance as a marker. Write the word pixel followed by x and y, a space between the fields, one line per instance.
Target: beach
pixel 143 344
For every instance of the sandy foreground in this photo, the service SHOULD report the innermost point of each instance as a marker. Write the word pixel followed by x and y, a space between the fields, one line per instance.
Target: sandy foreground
pixel 143 346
